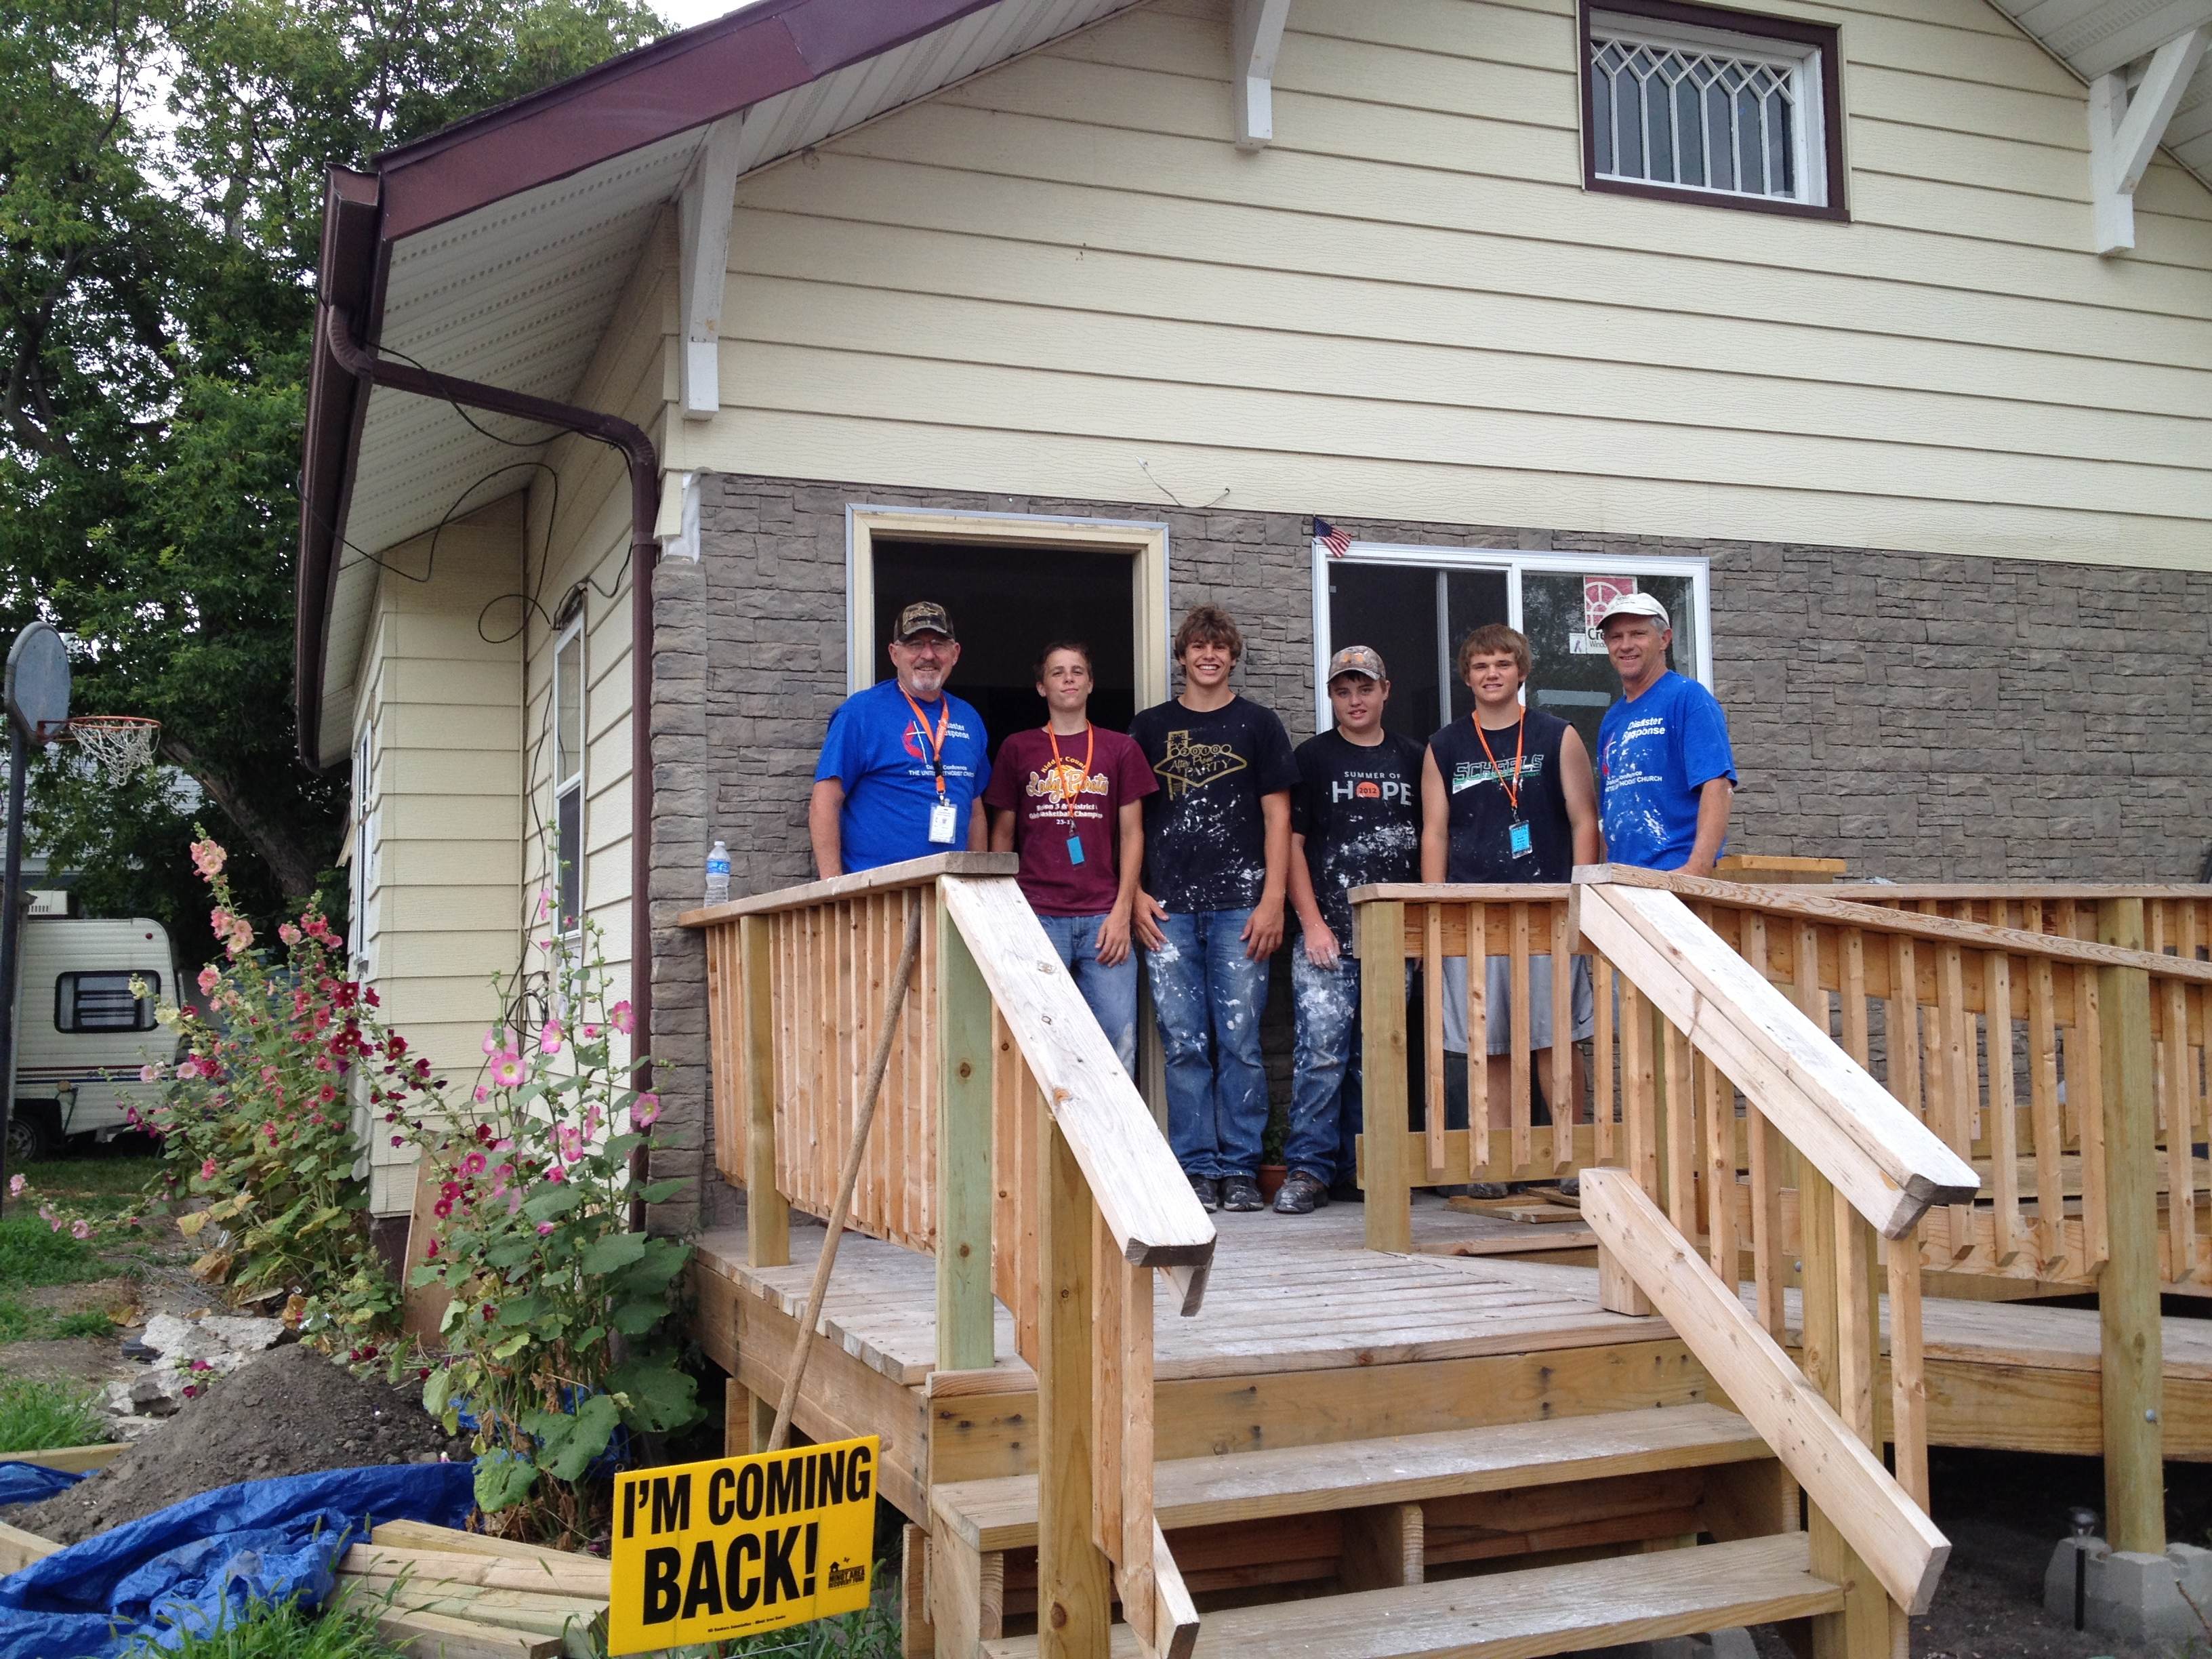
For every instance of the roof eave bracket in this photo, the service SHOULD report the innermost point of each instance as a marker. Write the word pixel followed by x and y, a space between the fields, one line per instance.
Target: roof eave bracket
pixel 1257 36
pixel 2124 132
pixel 703 208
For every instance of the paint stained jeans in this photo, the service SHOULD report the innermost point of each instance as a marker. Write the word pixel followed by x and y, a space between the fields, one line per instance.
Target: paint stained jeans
pixel 1209 997
pixel 1111 992
pixel 1326 1099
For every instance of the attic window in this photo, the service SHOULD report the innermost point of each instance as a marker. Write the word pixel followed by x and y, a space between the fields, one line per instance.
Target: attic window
pixel 1687 103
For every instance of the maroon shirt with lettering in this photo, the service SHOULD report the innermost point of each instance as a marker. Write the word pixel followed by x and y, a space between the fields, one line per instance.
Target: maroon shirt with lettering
pixel 1052 801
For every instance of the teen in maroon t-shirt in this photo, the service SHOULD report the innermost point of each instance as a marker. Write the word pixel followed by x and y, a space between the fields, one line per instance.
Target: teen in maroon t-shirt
pixel 1068 798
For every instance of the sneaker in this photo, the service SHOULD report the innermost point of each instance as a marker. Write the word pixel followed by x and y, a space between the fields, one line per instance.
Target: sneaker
pixel 1571 1187
pixel 1207 1194
pixel 1488 1190
pixel 1241 1193
pixel 1300 1195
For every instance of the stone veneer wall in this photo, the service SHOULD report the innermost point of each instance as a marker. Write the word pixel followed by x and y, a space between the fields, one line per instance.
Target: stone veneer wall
pixel 1927 718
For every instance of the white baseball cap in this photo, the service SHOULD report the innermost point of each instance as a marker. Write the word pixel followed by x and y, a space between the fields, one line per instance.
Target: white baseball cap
pixel 1636 604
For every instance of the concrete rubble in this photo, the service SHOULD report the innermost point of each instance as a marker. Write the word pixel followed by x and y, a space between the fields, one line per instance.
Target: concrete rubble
pixel 183 1355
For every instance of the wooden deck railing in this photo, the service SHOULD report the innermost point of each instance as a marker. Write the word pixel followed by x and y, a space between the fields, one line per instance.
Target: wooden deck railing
pixel 2177 918
pixel 1010 1145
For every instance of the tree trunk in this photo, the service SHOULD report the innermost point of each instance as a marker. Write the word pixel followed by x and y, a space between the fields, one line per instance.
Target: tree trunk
pixel 296 865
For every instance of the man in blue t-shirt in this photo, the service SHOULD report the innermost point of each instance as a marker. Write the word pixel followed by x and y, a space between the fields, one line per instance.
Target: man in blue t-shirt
pixel 1666 776
pixel 903 770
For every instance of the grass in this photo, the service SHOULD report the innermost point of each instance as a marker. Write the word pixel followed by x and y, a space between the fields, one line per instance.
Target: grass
pixel 98 1180
pixel 871 1633
pixel 38 1415
pixel 345 1629
pixel 32 1254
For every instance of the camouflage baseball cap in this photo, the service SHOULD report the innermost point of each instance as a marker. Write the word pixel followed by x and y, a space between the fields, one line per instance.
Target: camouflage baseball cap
pixel 922 617
pixel 1356 659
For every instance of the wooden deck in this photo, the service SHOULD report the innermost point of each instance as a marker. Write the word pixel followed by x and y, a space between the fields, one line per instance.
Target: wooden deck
pixel 1293 1294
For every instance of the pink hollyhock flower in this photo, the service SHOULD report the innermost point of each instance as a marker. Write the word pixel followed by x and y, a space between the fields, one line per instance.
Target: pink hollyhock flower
pixel 16 1186
pixel 622 1017
pixel 549 1037
pixel 571 1140
pixel 442 1208
pixel 483 1094
pixel 202 1365
pixel 431 1254
pixel 543 1228
pixel 207 858
pixel 207 1169
pixel 557 1172
pixel 211 976
pixel 289 934
pixel 647 1112
pixel 544 902
pixel 507 1070
pixel 473 1164
pixel 491 1044
pixel 80 1229
pixel 191 1391
pixel 150 1074
pixel 590 1034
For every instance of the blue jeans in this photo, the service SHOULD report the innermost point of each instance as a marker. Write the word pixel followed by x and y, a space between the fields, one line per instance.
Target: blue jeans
pixel 1325 1070
pixel 1209 996
pixel 1111 992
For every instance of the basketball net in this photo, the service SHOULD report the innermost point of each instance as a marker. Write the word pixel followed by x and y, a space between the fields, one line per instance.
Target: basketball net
pixel 120 745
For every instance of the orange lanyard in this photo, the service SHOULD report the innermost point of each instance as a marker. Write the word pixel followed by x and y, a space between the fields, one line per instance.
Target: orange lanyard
pixel 936 738
pixel 1520 748
pixel 1090 748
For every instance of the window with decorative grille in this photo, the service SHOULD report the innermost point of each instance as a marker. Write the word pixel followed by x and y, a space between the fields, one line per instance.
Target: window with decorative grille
pixel 1692 103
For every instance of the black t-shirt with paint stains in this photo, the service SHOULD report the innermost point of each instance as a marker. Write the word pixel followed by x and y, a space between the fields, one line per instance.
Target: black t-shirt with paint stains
pixel 1359 809
pixel 1206 843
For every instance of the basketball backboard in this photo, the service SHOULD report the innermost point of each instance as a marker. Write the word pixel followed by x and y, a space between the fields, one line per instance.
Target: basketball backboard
pixel 38 688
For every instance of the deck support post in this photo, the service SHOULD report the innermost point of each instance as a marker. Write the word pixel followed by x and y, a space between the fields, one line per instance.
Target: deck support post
pixel 1388 1177
pixel 1072 1595
pixel 964 1308
pixel 2132 1345
pixel 767 1214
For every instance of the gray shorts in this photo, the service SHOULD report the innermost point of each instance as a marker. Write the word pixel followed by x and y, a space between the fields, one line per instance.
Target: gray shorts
pixel 1498 1004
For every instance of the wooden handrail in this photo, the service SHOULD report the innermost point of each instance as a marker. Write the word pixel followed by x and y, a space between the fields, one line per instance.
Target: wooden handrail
pixel 1880 1157
pixel 1845 1481
pixel 913 872
pixel 1146 1203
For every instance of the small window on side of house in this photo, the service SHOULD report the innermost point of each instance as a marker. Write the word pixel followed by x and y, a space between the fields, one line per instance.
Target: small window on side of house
pixel 569 742
pixel 1690 103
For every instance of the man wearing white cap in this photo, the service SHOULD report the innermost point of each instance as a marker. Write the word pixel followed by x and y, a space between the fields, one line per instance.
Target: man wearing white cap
pixel 1666 775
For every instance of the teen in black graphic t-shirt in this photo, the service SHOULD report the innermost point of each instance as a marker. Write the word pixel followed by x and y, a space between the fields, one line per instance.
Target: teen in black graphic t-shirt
pixel 1216 854
pixel 1357 820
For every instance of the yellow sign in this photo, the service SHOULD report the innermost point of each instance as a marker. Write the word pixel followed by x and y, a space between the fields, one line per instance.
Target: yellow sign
pixel 706 1551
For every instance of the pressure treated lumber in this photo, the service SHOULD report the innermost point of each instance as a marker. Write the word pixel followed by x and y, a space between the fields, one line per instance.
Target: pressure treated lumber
pixel 1196 1491
pixel 1388 1162
pixel 963 1155
pixel 424 1535
pixel 1888 1163
pixel 1542 1610
pixel 437 1636
pixel 887 877
pixel 1131 1171
pixel 18 1548
pixel 1900 1544
pixel 2127 1291
pixel 578 1575
pixel 71 1460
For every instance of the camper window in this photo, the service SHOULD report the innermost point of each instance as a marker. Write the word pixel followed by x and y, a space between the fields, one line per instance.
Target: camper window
pixel 103 1002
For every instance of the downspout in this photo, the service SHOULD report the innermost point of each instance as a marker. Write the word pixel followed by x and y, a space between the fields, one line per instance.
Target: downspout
pixel 644 551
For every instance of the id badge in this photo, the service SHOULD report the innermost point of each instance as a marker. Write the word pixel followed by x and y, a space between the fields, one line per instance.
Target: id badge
pixel 1519 842
pixel 944 823
pixel 1075 849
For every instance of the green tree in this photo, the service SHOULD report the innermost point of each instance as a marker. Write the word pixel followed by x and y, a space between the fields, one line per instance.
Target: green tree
pixel 161 166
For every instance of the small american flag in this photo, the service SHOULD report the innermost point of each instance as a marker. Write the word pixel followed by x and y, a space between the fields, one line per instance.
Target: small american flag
pixel 1329 536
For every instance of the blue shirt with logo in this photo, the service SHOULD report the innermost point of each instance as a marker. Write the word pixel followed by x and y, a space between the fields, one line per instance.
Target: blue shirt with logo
pixel 882 758
pixel 1653 755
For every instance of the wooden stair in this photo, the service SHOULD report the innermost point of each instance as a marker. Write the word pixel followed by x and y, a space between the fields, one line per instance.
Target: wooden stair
pixel 1521 1616
pixel 1002 1514
pixel 1383 1514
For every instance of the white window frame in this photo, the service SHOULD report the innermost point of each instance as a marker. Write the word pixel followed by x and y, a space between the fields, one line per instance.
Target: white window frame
pixel 564 926
pixel 1809 143
pixel 1514 563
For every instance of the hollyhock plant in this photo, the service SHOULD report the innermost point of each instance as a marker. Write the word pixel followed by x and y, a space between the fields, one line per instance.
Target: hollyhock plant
pixel 242 1124
pixel 556 1335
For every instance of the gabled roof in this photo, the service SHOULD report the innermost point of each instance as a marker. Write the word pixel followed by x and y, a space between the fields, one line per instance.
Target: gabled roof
pixel 2099 37
pixel 495 250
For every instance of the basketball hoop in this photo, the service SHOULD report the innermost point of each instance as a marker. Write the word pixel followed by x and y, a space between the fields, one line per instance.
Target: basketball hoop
pixel 120 745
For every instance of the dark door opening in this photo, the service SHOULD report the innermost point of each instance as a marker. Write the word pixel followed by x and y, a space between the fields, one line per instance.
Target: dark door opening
pixel 1007 603
pixel 1415 615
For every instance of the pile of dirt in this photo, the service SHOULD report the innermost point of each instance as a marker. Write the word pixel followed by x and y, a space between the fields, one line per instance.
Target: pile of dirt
pixel 290 1411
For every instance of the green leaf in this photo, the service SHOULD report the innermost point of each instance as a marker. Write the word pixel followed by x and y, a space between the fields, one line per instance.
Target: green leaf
pixel 568 1453
pixel 636 1318
pixel 511 1254
pixel 521 1309
pixel 619 1147
pixel 440 1384
pixel 613 1253
pixel 659 1192
pixel 661 1397
pixel 512 1345
pixel 503 1479
pixel 555 1200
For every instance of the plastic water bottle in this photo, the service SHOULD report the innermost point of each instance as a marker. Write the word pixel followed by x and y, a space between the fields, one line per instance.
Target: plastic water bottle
pixel 717 874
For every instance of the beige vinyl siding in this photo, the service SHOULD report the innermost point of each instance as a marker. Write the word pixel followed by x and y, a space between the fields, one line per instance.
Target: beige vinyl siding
pixel 440 913
pixel 590 544
pixel 1408 308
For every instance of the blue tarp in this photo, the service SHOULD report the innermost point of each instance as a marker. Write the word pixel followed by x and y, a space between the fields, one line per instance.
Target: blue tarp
pixel 189 1566
pixel 29 1483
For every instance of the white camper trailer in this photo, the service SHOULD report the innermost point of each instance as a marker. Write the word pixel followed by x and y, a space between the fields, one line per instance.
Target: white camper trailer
pixel 82 1037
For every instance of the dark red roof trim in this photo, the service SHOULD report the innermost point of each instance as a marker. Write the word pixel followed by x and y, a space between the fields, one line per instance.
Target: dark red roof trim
pixel 641 98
